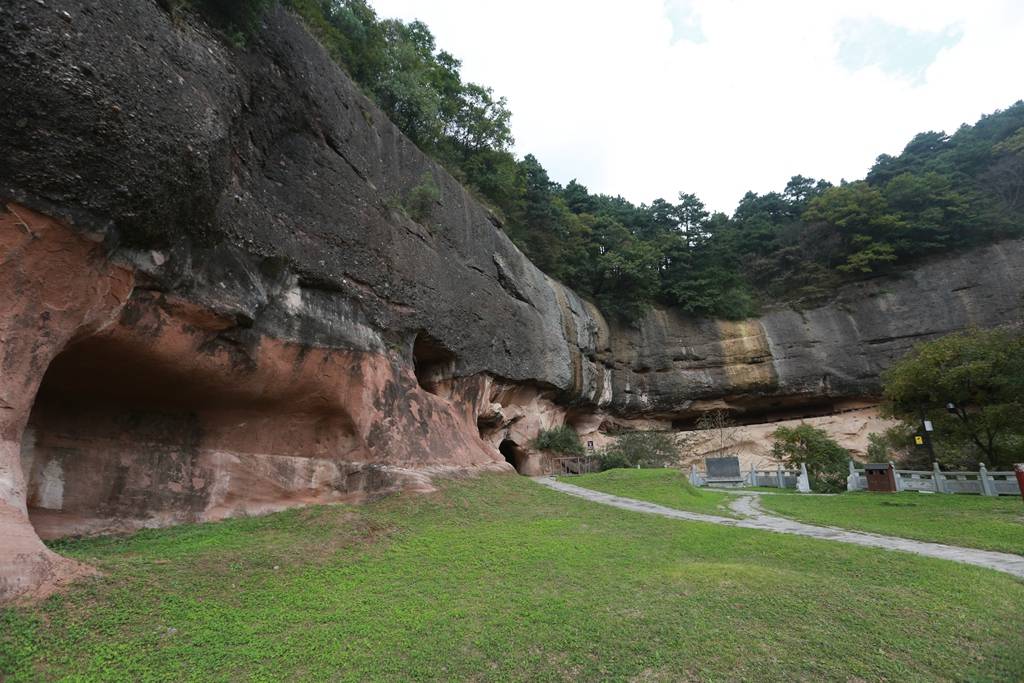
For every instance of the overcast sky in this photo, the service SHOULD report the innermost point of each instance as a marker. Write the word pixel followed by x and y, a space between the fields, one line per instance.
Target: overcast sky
pixel 645 98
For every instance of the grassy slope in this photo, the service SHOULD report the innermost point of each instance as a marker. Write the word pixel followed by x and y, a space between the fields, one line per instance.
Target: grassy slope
pixel 664 486
pixel 499 578
pixel 972 521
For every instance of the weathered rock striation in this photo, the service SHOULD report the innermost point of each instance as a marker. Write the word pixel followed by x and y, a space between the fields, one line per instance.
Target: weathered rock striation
pixel 213 303
pixel 811 361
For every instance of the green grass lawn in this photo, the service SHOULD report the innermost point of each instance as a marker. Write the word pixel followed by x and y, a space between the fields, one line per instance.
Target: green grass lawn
pixel 971 521
pixel 498 578
pixel 664 486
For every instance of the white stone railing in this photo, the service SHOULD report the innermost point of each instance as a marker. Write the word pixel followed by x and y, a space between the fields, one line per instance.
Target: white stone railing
pixel 982 482
pixel 777 478
pixel 935 480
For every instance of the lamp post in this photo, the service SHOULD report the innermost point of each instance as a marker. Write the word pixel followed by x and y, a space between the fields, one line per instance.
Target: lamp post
pixel 926 433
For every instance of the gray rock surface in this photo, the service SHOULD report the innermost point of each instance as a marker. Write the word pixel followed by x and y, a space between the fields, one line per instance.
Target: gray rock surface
pixel 675 366
pixel 270 188
pixel 263 171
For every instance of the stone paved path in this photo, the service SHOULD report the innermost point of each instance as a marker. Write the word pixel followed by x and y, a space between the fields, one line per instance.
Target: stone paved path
pixel 756 518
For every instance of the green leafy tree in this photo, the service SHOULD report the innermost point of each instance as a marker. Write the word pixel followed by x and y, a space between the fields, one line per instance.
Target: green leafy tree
pixel 897 444
pixel 561 439
pixel 423 198
pixel 627 278
pixel 970 385
pixel 801 189
pixel 825 459
pixel 643 449
pixel 934 213
pixel 578 199
pixel 861 217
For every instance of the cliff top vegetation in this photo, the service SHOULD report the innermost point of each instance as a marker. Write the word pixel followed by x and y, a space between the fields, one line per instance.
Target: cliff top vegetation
pixel 943 192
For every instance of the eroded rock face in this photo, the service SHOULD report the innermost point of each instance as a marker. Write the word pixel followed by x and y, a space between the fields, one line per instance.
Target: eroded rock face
pixel 160 136
pixel 211 302
pixel 126 407
pixel 790 361
pixel 282 333
pixel 56 286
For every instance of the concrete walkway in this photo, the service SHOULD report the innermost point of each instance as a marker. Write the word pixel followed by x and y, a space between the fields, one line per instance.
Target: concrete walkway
pixel 756 518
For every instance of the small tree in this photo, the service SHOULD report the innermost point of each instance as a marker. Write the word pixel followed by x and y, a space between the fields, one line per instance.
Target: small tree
pixel 718 423
pixel 970 385
pixel 897 444
pixel 422 198
pixel 646 449
pixel 825 459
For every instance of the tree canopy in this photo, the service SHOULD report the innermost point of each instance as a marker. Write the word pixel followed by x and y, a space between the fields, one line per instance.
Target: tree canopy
pixel 971 386
pixel 825 459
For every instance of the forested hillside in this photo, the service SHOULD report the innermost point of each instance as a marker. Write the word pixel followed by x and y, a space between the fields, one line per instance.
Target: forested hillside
pixel 942 192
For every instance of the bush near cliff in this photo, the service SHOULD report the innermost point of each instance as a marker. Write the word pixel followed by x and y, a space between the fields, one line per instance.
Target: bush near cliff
pixel 562 439
pixel 825 459
pixel 896 444
pixel 640 449
pixel 237 19
pixel 420 202
pixel 971 386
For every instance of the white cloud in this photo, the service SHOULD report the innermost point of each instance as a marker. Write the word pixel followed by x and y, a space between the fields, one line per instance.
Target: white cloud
pixel 718 97
pixel 895 49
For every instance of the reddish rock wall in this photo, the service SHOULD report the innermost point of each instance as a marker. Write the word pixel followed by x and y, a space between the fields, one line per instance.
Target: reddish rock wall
pixel 123 409
pixel 57 287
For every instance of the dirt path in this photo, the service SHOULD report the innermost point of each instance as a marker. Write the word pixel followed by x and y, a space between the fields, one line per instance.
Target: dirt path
pixel 756 518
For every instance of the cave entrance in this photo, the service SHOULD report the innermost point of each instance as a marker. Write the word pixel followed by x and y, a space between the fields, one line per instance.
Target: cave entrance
pixel 113 439
pixel 433 364
pixel 514 454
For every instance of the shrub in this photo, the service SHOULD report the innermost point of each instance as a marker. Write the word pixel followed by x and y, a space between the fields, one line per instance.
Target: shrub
pixel 563 439
pixel 897 444
pixel 825 459
pixel 238 19
pixel 421 199
pixel 646 449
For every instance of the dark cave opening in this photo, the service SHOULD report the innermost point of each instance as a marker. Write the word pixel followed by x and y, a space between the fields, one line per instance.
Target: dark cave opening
pixel 128 431
pixel 433 364
pixel 112 436
pixel 514 455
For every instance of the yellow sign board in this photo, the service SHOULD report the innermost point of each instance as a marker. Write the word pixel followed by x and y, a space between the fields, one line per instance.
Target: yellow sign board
pixel 919 440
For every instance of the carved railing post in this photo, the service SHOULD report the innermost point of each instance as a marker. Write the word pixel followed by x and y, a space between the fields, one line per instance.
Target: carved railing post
pixel 852 479
pixel 938 478
pixel 987 486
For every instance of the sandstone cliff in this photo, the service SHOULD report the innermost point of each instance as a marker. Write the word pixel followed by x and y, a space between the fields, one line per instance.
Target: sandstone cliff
pixel 810 361
pixel 213 303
